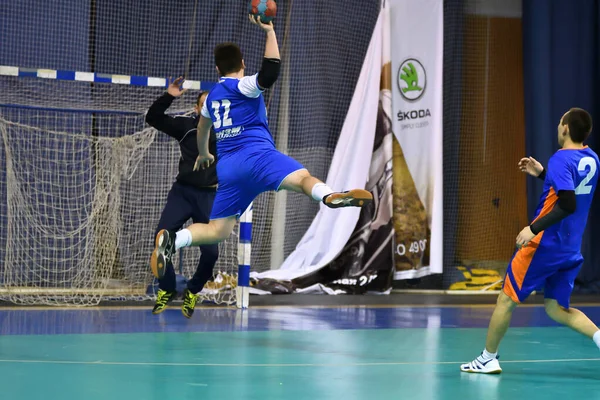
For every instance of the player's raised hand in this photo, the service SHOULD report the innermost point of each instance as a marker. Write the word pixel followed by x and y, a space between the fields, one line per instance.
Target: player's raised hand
pixel 267 27
pixel 531 166
pixel 204 161
pixel 175 88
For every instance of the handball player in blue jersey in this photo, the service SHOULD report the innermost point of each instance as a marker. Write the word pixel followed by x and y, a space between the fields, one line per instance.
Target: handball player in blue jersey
pixel 549 250
pixel 249 163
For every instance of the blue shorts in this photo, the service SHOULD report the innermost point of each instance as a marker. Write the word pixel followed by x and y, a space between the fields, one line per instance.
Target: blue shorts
pixel 246 174
pixel 534 268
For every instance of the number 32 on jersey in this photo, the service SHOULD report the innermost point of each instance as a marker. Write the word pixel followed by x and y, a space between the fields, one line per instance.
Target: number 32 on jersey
pixel 225 105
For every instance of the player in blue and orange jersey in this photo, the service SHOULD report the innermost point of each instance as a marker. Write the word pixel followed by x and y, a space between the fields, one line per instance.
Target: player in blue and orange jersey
pixel 249 163
pixel 549 250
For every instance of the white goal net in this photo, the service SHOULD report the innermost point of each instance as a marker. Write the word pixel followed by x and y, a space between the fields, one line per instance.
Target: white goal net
pixel 84 193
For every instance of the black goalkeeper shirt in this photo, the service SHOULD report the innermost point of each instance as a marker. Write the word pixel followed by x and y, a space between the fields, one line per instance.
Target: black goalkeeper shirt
pixel 184 128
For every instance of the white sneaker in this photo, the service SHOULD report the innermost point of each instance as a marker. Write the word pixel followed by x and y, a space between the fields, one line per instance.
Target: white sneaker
pixel 482 366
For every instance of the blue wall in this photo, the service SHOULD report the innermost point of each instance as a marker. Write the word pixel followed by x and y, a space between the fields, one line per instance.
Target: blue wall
pixel 561 71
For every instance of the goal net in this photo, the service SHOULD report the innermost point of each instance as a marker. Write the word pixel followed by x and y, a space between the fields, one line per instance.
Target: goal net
pixel 84 193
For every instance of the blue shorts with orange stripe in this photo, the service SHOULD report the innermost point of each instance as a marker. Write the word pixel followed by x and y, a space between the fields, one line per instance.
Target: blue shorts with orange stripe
pixel 535 267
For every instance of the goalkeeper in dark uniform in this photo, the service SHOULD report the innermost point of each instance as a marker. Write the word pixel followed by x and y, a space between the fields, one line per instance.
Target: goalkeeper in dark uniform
pixel 191 195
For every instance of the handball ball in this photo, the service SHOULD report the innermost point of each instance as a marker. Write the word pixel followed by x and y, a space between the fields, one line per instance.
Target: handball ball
pixel 265 9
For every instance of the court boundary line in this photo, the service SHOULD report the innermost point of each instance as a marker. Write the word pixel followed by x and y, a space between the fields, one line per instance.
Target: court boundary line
pixel 291 365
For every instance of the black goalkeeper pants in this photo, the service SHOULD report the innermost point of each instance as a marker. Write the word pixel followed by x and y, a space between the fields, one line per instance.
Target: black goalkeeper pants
pixel 185 202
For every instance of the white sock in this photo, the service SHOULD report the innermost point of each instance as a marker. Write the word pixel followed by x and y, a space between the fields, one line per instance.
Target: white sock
pixel 183 239
pixel 486 355
pixel 320 190
pixel 597 338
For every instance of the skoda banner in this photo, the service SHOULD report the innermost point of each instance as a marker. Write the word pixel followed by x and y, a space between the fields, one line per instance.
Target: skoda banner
pixel 417 59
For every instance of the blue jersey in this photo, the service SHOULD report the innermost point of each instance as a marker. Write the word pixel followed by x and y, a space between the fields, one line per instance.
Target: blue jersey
pixel 569 169
pixel 248 162
pixel 237 110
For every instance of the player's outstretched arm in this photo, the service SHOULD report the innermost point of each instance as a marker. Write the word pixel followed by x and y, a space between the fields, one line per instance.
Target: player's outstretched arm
pixel 532 167
pixel 271 48
pixel 271 65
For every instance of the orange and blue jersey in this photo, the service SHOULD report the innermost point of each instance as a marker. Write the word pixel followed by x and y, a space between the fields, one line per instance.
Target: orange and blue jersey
pixel 575 170
pixel 553 258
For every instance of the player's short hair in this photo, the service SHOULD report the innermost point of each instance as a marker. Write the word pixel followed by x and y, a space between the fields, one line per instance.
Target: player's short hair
pixel 228 58
pixel 579 122
pixel 202 93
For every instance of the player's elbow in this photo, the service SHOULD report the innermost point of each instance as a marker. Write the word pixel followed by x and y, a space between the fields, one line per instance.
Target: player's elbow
pixel 150 119
pixel 568 208
pixel 269 72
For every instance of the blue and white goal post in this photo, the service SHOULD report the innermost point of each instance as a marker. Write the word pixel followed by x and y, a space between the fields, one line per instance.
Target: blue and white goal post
pixel 242 294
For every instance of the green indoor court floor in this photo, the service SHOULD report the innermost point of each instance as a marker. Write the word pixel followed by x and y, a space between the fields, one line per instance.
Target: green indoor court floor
pixel 288 353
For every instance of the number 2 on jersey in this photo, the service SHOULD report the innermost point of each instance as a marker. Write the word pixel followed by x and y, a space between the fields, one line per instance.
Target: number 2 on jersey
pixel 583 187
pixel 226 104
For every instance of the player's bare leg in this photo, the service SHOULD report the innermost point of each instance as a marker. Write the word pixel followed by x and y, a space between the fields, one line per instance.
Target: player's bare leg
pixel 167 242
pixel 573 318
pixel 302 181
pixel 216 231
pixel 499 322
pixel 487 362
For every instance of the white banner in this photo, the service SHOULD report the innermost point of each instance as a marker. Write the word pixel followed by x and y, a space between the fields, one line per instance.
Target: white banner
pixel 331 229
pixel 417 37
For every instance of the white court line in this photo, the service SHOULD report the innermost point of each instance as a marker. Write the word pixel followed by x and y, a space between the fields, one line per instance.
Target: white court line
pixel 359 364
